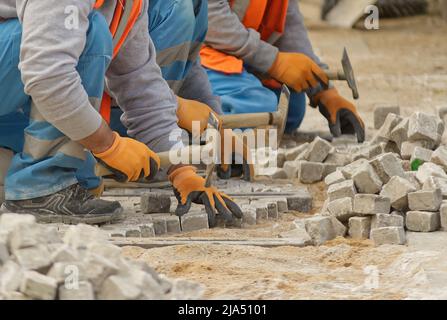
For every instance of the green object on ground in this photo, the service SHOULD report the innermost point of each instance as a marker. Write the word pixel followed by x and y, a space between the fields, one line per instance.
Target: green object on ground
pixel 416 164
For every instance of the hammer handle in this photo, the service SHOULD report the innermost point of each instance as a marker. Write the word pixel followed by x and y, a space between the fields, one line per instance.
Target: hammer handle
pixel 246 120
pixel 336 75
pixel 165 160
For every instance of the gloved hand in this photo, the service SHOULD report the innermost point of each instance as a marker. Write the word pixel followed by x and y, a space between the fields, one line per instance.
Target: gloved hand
pixel 341 114
pixel 190 188
pixel 298 71
pixel 189 111
pixel 235 157
pixel 129 159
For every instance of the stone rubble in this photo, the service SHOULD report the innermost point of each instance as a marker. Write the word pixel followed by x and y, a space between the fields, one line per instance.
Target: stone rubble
pixel 362 194
pixel 39 264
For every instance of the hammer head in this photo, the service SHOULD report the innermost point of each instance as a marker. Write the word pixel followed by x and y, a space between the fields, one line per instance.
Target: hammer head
pixel 349 74
pixel 280 117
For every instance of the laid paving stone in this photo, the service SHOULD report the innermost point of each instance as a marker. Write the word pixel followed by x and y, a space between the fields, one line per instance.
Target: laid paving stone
pixel 148 230
pixel 428 170
pixel 397 190
pixel 423 126
pixel 119 288
pixel 133 232
pixel 310 172
pixel 421 154
pixel 282 205
pixel 341 209
pixel 341 190
pixel 261 213
pixel 359 227
pixel 425 200
pixel 320 229
pixel 439 157
pixel 38 286
pixel 249 217
pixel 381 112
pixel 293 153
pixel 443 217
pixel 349 170
pixel 155 203
pixel 160 225
pixel 83 291
pixel 333 178
pixel 387 166
pixel 34 258
pixel 399 134
pixel 366 180
pixel 272 209
pixel 382 220
pixel 369 204
pixel 422 221
pixel 388 235
pixel 318 150
pixel 194 221
pixel 301 202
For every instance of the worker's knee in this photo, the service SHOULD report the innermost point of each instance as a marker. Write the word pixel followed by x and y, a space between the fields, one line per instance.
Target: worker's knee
pixel 99 40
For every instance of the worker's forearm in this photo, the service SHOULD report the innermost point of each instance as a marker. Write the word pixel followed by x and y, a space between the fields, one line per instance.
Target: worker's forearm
pixel 99 141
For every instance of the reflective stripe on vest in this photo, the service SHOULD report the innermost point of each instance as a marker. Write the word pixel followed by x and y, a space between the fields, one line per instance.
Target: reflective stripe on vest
pixel 126 15
pixel 268 17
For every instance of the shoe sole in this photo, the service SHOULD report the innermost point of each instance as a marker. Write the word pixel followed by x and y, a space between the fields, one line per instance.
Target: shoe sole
pixel 115 216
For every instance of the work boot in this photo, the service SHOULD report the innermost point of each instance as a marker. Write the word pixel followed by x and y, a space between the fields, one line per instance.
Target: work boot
pixel 72 205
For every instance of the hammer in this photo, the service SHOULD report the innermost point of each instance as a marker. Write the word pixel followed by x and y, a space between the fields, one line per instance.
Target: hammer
pixel 346 74
pixel 252 120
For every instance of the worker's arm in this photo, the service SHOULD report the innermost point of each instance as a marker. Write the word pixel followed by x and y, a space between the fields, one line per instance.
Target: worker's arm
pixel 48 59
pixel 227 34
pixel 136 83
pixel 196 86
pixel 296 39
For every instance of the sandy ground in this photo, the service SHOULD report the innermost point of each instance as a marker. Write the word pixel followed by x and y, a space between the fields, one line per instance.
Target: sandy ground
pixel 404 63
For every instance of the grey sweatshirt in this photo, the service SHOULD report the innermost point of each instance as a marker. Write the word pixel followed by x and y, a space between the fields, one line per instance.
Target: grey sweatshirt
pixel 48 59
pixel 227 34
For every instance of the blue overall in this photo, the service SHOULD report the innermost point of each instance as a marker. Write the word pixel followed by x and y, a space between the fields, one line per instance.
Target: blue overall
pixel 245 93
pixel 40 167
pixel 177 29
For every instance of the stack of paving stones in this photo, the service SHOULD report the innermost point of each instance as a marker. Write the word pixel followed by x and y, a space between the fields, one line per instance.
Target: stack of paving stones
pixel 377 195
pixel 36 263
pixel 156 211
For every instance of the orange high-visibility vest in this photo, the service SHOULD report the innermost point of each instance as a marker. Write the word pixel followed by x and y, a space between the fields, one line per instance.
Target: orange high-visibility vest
pixel 125 16
pixel 268 17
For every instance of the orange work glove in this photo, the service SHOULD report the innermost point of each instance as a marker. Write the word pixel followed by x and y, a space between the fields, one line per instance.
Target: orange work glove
pixel 191 110
pixel 233 164
pixel 129 160
pixel 341 114
pixel 298 71
pixel 190 188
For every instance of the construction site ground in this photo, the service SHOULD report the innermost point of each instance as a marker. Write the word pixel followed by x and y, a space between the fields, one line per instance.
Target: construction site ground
pixel 404 63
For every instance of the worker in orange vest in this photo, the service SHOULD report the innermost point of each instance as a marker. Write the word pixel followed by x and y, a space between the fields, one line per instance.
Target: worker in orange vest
pixel 56 60
pixel 252 47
